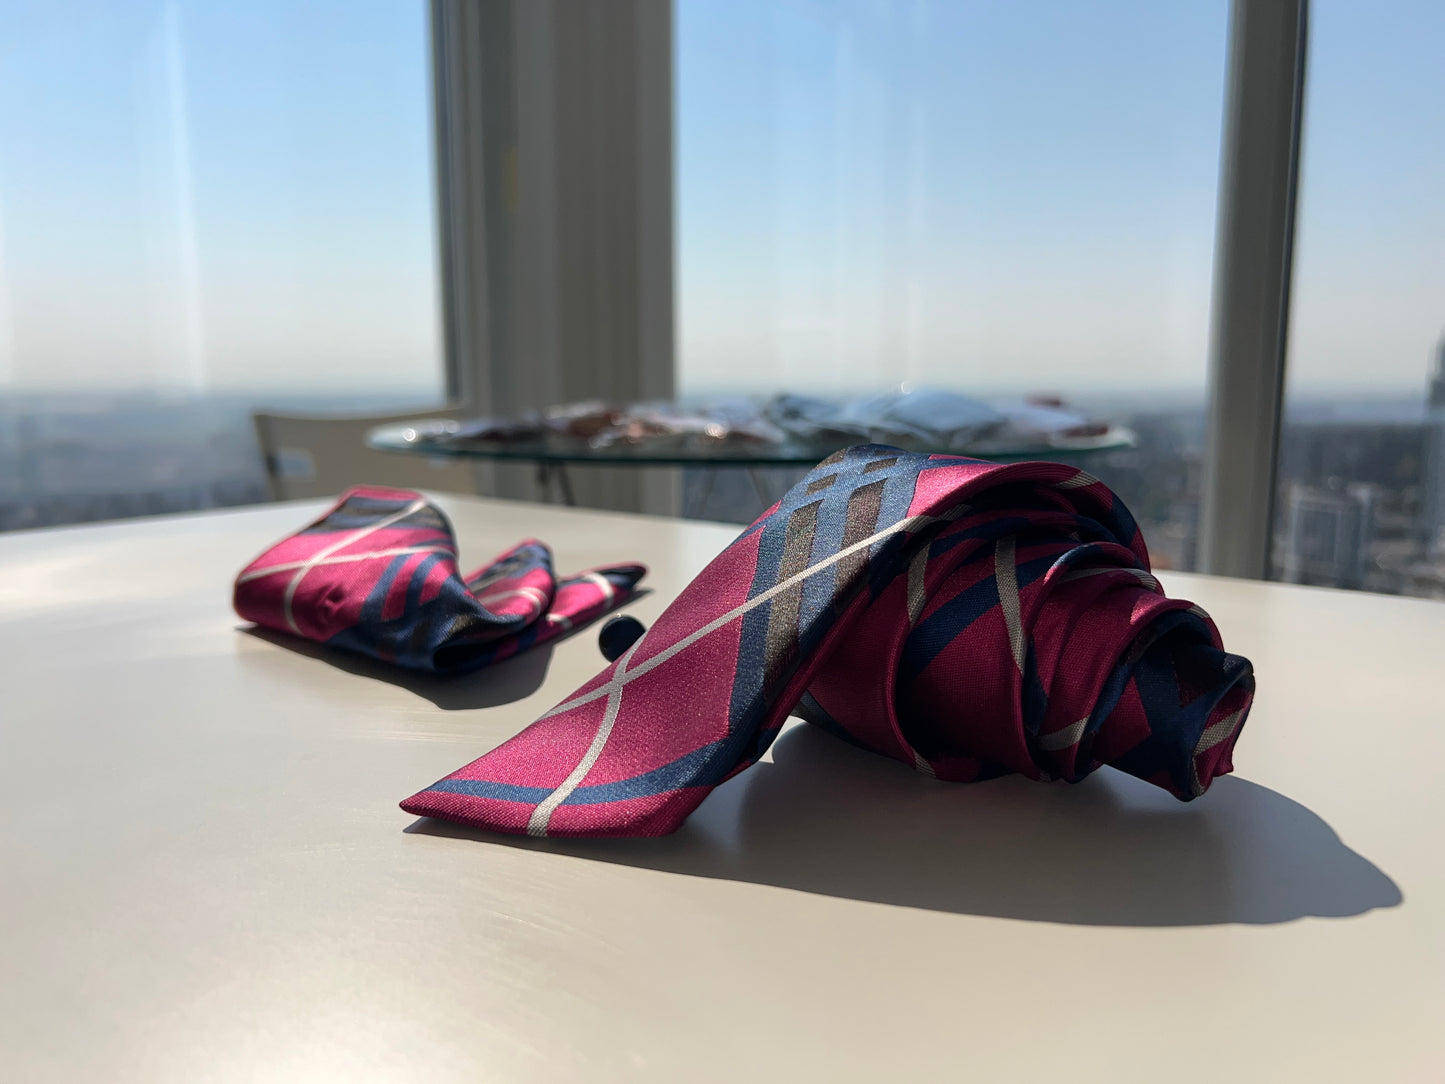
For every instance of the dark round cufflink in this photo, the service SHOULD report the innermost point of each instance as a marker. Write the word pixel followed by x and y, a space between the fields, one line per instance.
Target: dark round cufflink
pixel 618 634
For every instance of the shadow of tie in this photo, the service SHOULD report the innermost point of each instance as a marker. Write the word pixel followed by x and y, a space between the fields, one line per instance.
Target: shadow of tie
pixel 505 682
pixel 824 817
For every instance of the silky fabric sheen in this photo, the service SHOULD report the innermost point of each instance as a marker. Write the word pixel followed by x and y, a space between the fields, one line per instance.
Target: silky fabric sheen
pixel 377 574
pixel 965 617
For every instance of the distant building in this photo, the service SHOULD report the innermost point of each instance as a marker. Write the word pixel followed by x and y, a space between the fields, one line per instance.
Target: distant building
pixel 1432 497
pixel 1437 379
pixel 1328 535
pixel 1331 451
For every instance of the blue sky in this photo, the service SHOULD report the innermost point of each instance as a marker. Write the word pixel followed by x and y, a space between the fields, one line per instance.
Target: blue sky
pixel 992 196
pixel 223 195
pixel 1002 195
pixel 981 194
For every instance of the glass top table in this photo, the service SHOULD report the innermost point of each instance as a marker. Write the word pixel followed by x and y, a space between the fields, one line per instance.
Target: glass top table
pixel 434 437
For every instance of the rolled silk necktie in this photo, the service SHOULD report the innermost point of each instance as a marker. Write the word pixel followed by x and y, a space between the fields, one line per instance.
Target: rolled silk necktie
pixel 377 574
pixel 968 618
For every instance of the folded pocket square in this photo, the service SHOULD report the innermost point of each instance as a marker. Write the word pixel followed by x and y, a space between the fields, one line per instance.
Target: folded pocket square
pixel 378 574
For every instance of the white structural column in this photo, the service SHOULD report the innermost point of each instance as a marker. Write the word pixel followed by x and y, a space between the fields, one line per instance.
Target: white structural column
pixel 458 39
pixel 555 205
pixel 1258 178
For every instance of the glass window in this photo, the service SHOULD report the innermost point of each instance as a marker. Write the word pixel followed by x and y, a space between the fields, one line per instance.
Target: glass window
pixel 1001 200
pixel 1361 500
pixel 204 208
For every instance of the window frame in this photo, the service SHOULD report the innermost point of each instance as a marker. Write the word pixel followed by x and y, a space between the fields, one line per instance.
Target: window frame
pixel 495 71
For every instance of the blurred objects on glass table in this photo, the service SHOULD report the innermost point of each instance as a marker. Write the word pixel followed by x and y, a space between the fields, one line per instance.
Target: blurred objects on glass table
pixel 792 428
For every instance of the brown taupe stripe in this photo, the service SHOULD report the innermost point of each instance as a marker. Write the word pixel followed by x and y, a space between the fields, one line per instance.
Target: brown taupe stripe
pixel 781 646
pixel 426 517
pixel 461 624
pixel 917 581
pixel 880 464
pixel 864 504
pixel 821 483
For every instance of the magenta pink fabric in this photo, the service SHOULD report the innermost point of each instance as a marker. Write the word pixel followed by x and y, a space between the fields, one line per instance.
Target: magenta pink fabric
pixel 967 618
pixel 377 574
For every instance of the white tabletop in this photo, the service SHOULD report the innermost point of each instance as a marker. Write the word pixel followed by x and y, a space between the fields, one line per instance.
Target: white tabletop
pixel 204 874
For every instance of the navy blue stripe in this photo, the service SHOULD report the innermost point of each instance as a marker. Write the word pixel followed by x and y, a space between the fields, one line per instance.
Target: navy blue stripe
pixel 376 601
pixel 935 632
pixel 680 773
pixel 1034 698
pixel 818 594
pixel 1174 728
pixel 418 581
pixel 342 521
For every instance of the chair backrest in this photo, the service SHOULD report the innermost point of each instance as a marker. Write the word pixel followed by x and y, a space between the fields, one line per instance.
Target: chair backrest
pixel 313 456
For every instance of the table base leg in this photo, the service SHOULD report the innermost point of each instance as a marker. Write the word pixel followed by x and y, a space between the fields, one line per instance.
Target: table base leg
pixel 553 481
pixel 763 491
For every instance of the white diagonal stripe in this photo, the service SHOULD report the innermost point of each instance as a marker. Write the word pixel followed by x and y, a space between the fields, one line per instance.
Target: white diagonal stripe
pixel 1006 577
pixel 1062 739
pixel 341 559
pixel 738 611
pixel 1138 573
pixel 535 594
pixel 1211 737
pixel 1215 734
pixel 542 814
pixel 1078 481
pixel 923 765
pixel 608 591
pixel 356 536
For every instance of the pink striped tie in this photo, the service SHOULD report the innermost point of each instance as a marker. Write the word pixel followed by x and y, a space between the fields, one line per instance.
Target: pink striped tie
pixel 967 618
